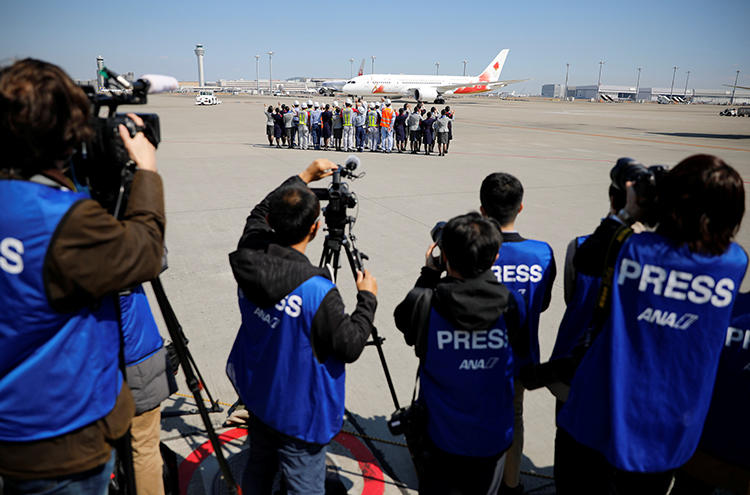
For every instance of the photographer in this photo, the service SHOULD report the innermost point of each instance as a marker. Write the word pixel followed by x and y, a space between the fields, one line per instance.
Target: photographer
pixel 526 266
pixel 640 396
pixel 463 339
pixel 723 457
pixel 62 260
pixel 287 362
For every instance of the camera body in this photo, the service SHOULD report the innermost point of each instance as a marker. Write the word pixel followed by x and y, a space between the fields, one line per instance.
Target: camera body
pixel 103 165
pixel 645 183
pixel 407 420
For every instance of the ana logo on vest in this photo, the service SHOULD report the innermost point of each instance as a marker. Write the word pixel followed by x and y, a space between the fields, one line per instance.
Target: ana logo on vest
pixel 478 364
pixel 291 305
pixel 11 250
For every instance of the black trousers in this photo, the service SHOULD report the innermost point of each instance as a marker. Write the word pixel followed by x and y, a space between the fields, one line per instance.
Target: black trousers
pixel 580 470
pixel 451 474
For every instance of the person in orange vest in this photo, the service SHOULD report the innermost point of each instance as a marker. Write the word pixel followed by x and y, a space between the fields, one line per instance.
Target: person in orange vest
pixel 386 127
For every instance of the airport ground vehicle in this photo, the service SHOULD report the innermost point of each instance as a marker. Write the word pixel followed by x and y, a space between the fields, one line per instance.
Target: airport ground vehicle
pixel 206 97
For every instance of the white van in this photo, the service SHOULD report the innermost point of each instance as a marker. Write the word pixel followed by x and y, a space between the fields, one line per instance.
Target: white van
pixel 206 97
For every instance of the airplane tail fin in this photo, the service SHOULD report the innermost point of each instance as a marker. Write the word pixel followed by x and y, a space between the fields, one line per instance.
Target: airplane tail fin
pixel 492 72
pixel 361 68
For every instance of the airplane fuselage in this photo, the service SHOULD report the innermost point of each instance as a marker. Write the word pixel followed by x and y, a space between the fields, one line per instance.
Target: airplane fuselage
pixel 406 85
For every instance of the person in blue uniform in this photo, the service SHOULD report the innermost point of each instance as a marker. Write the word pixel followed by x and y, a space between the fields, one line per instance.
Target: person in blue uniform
pixel 287 362
pixel 641 394
pixel 723 456
pixel 528 267
pixel 63 258
pixel 473 323
pixel 428 133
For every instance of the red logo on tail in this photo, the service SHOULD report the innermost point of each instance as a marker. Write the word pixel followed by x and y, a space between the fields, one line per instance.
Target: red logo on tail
pixel 496 66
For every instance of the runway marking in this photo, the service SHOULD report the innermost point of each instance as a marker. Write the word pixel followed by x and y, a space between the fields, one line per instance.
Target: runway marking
pixel 372 475
pixel 591 134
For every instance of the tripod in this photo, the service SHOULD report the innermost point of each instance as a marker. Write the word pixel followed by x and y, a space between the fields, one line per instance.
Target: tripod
pixel 331 255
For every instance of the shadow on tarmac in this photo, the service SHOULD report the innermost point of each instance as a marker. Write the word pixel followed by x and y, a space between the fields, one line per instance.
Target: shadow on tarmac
pixel 702 135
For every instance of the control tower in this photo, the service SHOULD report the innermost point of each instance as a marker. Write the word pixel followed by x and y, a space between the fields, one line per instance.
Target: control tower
pixel 199 52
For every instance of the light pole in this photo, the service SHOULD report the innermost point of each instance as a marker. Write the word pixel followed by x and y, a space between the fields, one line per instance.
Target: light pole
pixel 351 67
pixel 686 83
pixel 734 88
pixel 599 82
pixel 674 73
pixel 638 84
pixel 372 71
pixel 437 68
pixel 465 61
pixel 257 73
pixel 270 77
pixel 565 90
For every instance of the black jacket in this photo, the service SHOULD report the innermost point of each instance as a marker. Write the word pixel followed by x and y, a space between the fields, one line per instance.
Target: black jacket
pixel 266 272
pixel 472 304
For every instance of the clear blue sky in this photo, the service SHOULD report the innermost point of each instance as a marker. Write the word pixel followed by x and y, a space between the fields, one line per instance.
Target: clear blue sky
pixel 317 38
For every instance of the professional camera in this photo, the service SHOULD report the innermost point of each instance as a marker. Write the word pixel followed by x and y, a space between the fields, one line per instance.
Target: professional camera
pixel 645 182
pixel 103 165
pixel 339 196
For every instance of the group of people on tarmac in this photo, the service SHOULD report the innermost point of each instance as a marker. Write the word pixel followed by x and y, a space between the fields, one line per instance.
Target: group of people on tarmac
pixel 360 126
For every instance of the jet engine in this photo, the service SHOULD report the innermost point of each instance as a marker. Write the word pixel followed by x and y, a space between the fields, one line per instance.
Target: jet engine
pixel 425 94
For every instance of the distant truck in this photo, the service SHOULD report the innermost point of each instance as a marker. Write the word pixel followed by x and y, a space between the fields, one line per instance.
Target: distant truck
pixel 736 112
pixel 207 97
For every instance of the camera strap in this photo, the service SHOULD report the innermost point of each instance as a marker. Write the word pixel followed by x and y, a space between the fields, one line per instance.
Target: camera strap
pixel 604 298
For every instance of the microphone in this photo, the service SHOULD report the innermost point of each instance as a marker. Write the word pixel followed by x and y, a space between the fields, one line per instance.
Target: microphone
pixel 160 83
pixel 351 163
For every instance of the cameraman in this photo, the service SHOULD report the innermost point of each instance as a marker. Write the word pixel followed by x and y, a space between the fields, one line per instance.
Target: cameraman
pixel 62 399
pixel 287 362
pixel 640 396
pixel 463 339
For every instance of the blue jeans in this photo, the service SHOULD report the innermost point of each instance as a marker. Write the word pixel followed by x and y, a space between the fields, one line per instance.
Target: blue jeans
pixel 315 132
pixel 361 136
pixel 93 482
pixel 302 464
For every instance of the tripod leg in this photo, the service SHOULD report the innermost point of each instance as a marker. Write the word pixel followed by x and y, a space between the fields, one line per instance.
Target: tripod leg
pixel 375 337
pixel 192 381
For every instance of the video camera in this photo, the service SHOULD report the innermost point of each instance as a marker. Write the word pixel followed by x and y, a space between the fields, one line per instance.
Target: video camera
pixel 102 165
pixel 339 196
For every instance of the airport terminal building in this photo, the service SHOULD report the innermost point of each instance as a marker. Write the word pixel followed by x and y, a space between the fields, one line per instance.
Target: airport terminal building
pixel 609 92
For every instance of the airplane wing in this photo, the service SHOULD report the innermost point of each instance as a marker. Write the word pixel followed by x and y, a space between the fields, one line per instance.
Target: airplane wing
pixel 739 87
pixel 493 85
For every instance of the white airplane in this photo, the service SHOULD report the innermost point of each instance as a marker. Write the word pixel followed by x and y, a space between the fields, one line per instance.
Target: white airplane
pixel 428 87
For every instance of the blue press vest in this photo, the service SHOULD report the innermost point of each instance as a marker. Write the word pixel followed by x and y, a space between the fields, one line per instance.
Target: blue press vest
pixel 140 333
pixel 523 266
pixel 58 371
pixel 578 313
pixel 274 371
pixel 641 393
pixel 466 383
pixel 726 434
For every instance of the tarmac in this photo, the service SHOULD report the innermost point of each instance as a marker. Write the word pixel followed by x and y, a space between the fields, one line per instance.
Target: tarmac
pixel 217 165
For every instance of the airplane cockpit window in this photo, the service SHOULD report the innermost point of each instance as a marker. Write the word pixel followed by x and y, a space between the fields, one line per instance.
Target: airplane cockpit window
pixel 349 82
